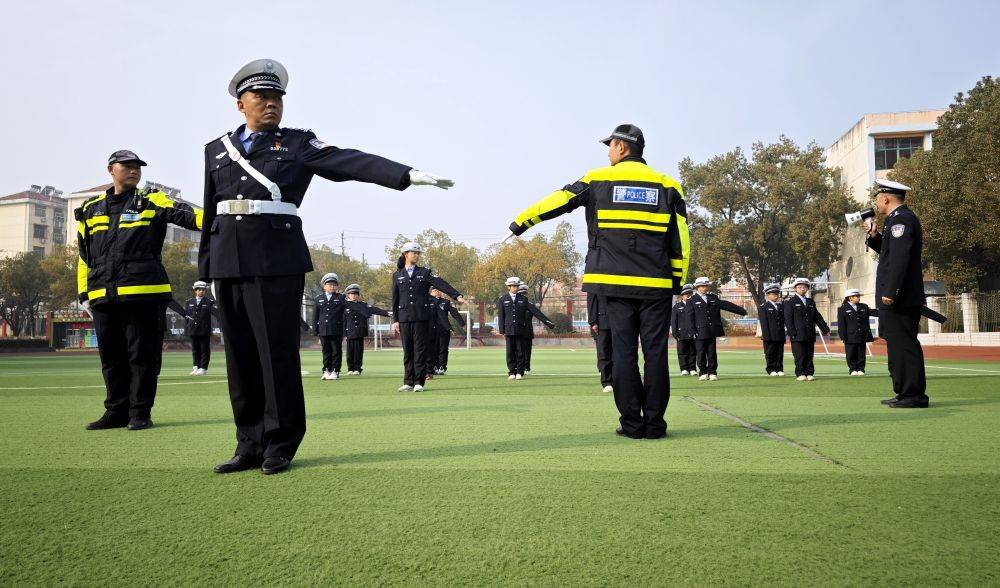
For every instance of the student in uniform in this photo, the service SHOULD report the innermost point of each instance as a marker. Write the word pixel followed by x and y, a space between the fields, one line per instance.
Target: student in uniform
pixel 433 329
pixel 854 329
pixel 445 311
pixel 198 312
pixel 328 325
pixel 706 321
pixel 529 334
pixel 600 330
pixel 771 315
pixel 801 320
pixel 680 326
pixel 514 312
pixel 356 315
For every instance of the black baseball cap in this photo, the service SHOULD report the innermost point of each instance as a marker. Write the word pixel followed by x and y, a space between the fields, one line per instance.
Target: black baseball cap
pixel 628 133
pixel 123 156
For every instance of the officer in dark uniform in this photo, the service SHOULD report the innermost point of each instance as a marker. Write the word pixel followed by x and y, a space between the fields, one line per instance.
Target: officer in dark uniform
pixel 328 325
pixel 411 308
pixel 771 316
pixel 899 293
pixel 513 321
pixel 637 258
pixel 680 325
pixel 356 315
pixel 705 320
pixel 528 339
pixel 253 248
pixel 122 282
pixel 445 311
pixel 600 330
pixel 801 320
pixel 854 329
pixel 198 312
pixel 431 341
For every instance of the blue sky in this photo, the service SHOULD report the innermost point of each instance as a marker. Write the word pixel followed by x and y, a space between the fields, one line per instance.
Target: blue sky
pixel 507 98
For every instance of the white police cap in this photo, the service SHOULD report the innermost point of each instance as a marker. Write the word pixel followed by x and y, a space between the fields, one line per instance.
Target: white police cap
pixel 891 187
pixel 330 277
pixel 800 281
pixel 522 287
pixel 412 246
pixel 259 74
pixel 852 292
pixel 772 288
pixel 513 281
pixel 353 288
pixel 702 281
pixel 687 288
pixel 199 284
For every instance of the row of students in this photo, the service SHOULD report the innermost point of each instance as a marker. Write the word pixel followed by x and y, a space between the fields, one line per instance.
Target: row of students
pixel 514 312
pixel 696 323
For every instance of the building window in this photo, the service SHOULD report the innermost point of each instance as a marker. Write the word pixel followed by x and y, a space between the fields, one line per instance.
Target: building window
pixel 178 235
pixel 39 211
pixel 38 250
pixel 39 231
pixel 888 151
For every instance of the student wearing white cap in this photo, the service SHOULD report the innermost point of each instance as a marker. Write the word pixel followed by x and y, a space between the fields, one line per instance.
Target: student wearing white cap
pixel 854 329
pixel 705 308
pixel 801 320
pixel 198 313
pixel 514 312
pixel 771 316
pixel 683 330
pixel 356 315
pixel 328 325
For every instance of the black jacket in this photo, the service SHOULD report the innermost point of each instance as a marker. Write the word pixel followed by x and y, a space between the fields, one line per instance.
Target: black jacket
pixel 328 315
pixel 597 311
pixel 680 322
pixel 356 315
pixel 444 311
pixel 705 319
pixel 411 296
pixel 269 244
pixel 514 316
pixel 801 319
pixel 199 316
pixel 899 275
pixel 853 325
pixel 772 321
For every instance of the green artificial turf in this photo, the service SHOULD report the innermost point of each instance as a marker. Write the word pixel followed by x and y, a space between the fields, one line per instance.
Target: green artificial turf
pixel 485 481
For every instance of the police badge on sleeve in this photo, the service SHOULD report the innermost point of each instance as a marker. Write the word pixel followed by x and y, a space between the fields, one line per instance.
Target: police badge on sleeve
pixel 898 230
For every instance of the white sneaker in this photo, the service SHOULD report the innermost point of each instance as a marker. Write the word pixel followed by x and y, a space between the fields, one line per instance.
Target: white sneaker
pixel 781 373
pixel 801 378
pixel 405 388
pixel 609 389
pixel 201 372
pixel 334 375
pixel 511 377
pixel 526 372
pixel 713 377
pixel 854 373
pixel 518 377
pixel 861 373
pixel 194 371
pixel 418 388
pixel 693 373
pixel 774 373
pixel 684 372
pixel 810 378
pixel 323 377
pixel 703 377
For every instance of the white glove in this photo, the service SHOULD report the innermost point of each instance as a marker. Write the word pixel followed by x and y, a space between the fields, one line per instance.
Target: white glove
pixel 211 287
pixel 419 178
pixel 85 305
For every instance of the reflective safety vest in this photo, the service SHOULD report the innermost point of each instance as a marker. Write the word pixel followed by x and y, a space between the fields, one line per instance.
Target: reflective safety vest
pixel 120 253
pixel 638 243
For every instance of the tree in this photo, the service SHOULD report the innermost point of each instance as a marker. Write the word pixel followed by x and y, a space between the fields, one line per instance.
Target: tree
pixel 776 215
pixel 350 271
pixel 22 292
pixel 956 190
pixel 448 258
pixel 182 269
pixel 59 271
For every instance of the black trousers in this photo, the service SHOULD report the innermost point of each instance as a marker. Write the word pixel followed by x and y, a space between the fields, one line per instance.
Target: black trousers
pixel 201 349
pixel 260 320
pixel 605 353
pixel 855 353
pixel 333 349
pixel 641 401
pixel 444 342
pixel 898 326
pixel 802 352
pixel 515 354
pixel 707 358
pixel 414 339
pixel 526 346
pixel 687 355
pixel 130 343
pixel 355 354
pixel 431 357
pixel 774 356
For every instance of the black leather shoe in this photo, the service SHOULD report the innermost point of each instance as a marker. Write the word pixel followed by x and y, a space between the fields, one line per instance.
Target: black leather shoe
pixel 662 435
pixel 888 401
pixel 238 463
pixel 909 403
pixel 273 465
pixel 621 433
pixel 108 421
pixel 138 424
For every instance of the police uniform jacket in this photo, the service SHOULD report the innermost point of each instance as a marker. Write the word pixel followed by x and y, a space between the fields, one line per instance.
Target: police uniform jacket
pixel 119 254
pixel 328 315
pixel 638 245
pixel 772 321
pixel 706 317
pixel 853 325
pixel 444 311
pixel 411 295
pixel 802 318
pixel 234 246
pixel 199 316
pixel 356 315
pixel 680 322
pixel 899 275
pixel 597 312
pixel 514 315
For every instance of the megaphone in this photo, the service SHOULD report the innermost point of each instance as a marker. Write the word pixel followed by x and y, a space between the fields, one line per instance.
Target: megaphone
pixel 853 217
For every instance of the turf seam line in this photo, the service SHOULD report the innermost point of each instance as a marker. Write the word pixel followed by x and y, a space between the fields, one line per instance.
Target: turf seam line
pixel 766 432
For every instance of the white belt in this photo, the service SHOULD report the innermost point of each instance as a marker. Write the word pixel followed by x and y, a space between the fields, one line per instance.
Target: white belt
pixel 255 207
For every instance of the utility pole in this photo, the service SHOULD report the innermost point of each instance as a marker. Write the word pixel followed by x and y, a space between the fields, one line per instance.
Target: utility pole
pixel 342 254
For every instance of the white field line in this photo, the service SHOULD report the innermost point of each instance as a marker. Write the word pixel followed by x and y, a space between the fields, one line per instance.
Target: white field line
pixel 191 383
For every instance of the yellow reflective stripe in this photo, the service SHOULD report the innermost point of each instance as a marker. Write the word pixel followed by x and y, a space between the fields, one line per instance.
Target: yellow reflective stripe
pixel 199 214
pixel 98 228
pixel 97 293
pixel 532 215
pixel 677 263
pixel 652 217
pixel 154 289
pixel 632 226
pixel 685 235
pixel 99 219
pixel 139 223
pixel 160 199
pixel 618 280
pixel 80 228
pixel 632 171
pixel 90 203
pixel 81 275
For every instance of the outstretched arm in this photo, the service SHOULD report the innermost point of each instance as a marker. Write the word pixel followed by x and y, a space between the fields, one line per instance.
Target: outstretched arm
pixel 821 322
pixel 733 308
pixel 555 204
pixel 540 315
pixel 442 285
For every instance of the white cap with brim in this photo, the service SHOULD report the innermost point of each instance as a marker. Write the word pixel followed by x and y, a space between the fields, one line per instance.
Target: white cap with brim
pixel 852 292
pixel 353 288
pixel 891 187
pixel 199 284
pixel 772 288
pixel 412 246
pixel 330 277
pixel 259 74
pixel 800 281
pixel 513 281
pixel 702 281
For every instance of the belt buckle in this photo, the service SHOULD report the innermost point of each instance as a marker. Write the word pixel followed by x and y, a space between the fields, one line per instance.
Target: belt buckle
pixel 238 206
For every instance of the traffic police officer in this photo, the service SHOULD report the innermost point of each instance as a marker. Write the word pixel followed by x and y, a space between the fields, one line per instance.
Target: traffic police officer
pixel 513 321
pixel 198 312
pixel 801 320
pixel 680 325
pixel 528 342
pixel 254 249
pixel 121 280
pixel 445 311
pixel 771 316
pixel 411 310
pixel 356 315
pixel 328 325
pixel 899 293
pixel 705 321
pixel 854 329
pixel 600 330
pixel 637 257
